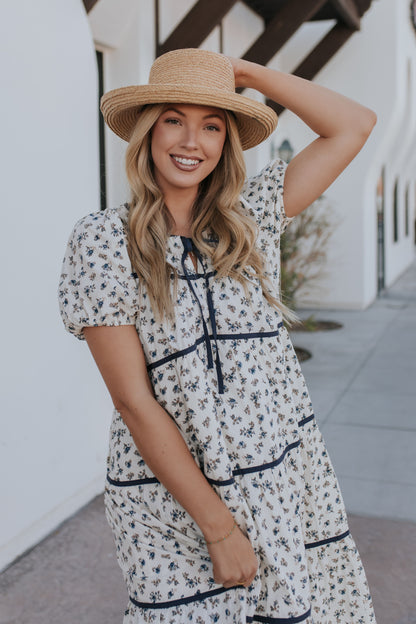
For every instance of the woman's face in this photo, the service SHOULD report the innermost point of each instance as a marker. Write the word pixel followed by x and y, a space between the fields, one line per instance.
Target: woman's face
pixel 186 145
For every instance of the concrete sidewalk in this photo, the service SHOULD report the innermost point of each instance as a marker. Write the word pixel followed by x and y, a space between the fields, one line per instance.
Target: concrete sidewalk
pixel 362 380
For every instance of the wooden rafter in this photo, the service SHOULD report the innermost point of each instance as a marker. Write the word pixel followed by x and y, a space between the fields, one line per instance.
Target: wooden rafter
pixel 319 56
pixel 196 25
pixel 363 6
pixel 348 12
pixel 205 15
pixel 89 4
pixel 281 27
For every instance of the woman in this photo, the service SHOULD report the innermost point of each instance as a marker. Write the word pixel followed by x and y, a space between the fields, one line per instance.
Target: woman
pixel 222 499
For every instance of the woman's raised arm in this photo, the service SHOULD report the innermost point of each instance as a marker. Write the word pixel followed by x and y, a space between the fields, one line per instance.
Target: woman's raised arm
pixel 342 126
pixel 119 356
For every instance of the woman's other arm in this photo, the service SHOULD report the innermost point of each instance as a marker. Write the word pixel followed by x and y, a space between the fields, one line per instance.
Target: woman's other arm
pixel 342 126
pixel 119 356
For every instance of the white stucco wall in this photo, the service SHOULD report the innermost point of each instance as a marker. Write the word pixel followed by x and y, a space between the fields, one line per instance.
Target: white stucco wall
pixel 375 74
pixel 127 40
pixel 54 408
pixel 400 153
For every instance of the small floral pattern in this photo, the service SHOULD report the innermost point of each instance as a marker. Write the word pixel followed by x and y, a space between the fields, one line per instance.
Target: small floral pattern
pixel 227 373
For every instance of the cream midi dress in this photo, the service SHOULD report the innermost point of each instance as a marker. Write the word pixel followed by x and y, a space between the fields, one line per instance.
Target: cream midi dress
pixel 228 375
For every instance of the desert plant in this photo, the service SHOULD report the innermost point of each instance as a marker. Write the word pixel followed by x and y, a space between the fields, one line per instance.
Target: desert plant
pixel 304 247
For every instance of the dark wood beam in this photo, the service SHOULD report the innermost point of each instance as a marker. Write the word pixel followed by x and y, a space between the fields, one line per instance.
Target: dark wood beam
pixel 348 12
pixel 196 25
pixel 324 51
pixel 281 27
pixel 89 4
pixel 319 56
pixel 363 6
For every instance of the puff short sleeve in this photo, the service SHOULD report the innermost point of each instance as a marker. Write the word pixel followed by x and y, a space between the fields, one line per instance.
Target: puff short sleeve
pixel 263 193
pixel 97 285
pixel 262 197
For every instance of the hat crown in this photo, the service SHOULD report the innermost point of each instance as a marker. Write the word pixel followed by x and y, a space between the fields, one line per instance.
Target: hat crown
pixel 194 67
pixel 189 76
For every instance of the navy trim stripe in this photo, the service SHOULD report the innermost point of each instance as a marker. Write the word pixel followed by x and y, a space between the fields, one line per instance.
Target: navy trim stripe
pixel 305 420
pixel 237 471
pixel 229 481
pixel 271 464
pixel 173 603
pixel 177 354
pixel 132 482
pixel 258 468
pixel 248 335
pixel 236 336
pixel 215 592
pixel 329 540
pixel 197 276
pixel 272 620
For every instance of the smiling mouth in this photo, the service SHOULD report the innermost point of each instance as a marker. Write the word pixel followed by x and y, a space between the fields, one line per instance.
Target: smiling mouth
pixel 185 163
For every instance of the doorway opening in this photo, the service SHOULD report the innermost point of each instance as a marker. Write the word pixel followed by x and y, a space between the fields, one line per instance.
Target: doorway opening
pixel 103 185
pixel 380 201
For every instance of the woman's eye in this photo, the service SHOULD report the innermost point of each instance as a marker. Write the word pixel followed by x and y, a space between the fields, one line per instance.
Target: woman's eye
pixel 213 128
pixel 172 120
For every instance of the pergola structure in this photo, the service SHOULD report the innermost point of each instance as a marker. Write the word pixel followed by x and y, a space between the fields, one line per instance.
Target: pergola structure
pixel 282 18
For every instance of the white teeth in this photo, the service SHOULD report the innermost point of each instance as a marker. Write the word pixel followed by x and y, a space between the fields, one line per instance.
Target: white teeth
pixel 185 161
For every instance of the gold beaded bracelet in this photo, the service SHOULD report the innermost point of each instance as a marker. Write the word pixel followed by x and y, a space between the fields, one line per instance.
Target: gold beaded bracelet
pixel 224 538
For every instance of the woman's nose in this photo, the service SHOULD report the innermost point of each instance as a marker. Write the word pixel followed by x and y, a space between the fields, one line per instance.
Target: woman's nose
pixel 190 138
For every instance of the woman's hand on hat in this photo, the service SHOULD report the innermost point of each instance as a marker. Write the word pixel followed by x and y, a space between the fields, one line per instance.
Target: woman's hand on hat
pixel 244 71
pixel 238 67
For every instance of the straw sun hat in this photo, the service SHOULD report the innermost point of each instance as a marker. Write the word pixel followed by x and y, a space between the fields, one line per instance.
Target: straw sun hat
pixel 189 76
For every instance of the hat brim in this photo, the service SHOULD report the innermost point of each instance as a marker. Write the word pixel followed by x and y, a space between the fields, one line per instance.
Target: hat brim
pixel 121 108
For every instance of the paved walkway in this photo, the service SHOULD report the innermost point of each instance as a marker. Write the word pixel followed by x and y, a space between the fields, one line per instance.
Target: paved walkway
pixel 362 379
pixel 363 384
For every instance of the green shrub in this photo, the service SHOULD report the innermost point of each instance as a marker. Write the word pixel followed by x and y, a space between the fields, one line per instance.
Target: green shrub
pixel 304 247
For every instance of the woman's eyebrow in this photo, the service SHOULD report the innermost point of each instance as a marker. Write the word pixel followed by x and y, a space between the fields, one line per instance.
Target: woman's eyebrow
pixel 217 115
pixel 171 109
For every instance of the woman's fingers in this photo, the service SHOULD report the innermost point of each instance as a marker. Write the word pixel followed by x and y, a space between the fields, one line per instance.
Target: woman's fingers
pixel 243 582
pixel 234 561
pixel 236 63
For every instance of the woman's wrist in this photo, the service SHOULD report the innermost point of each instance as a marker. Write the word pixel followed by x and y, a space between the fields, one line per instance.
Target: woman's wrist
pixel 224 537
pixel 250 75
pixel 242 72
pixel 217 525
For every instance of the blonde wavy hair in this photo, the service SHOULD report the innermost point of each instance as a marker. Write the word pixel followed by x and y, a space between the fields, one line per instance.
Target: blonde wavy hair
pixel 217 208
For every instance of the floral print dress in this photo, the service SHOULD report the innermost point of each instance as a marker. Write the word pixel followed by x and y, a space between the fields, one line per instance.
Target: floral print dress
pixel 228 375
